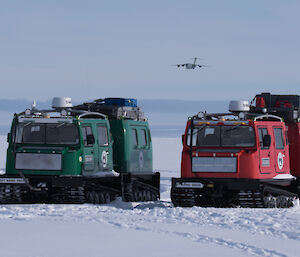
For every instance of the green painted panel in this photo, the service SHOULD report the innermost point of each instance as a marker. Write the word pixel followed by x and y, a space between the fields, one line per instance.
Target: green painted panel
pixel 113 147
pixel 131 152
pixel 97 157
pixel 73 156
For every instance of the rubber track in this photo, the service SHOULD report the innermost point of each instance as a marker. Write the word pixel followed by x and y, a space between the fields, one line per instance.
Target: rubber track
pixel 137 191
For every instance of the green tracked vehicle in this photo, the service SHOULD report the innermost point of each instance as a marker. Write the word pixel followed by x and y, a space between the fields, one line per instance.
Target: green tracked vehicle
pixel 132 147
pixel 79 154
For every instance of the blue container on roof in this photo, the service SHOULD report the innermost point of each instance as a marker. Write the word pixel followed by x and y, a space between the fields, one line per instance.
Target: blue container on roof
pixel 121 101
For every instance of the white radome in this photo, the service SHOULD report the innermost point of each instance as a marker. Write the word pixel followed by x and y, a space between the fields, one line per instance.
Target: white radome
pixel 239 106
pixel 61 102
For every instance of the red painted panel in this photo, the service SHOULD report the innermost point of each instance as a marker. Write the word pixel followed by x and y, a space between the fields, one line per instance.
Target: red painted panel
pixel 294 144
pixel 248 159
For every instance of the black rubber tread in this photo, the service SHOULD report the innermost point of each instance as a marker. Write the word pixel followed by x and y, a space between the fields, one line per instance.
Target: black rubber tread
pixel 12 194
pixel 68 195
pixel 136 191
pixel 100 197
pixel 184 197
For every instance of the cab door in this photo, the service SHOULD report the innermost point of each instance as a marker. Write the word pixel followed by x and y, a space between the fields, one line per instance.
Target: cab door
pixel 105 158
pixel 89 149
pixel 134 163
pixel 141 153
pixel 281 158
pixel 145 151
pixel 266 153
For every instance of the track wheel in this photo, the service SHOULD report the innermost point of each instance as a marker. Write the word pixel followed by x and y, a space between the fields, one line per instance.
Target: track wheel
pixel 96 198
pixel 284 202
pixel 89 197
pixel 144 196
pixel 92 196
pixel 102 198
pixel 136 196
pixel 107 197
pixel 140 196
pixel 270 201
pixel 148 197
pixel 153 197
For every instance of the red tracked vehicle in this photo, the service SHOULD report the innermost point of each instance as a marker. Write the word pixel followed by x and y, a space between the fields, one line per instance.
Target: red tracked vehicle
pixel 288 108
pixel 239 158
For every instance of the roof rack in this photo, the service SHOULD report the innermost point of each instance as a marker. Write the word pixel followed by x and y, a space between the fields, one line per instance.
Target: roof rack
pixel 285 106
pixel 92 114
pixel 268 116
pixel 214 116
pixel 114 108
pixel 242 116
pixel 49 114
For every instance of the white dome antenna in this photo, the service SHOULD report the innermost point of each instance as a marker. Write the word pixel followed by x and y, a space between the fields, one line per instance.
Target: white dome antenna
pixel 239 106
pixel 61 102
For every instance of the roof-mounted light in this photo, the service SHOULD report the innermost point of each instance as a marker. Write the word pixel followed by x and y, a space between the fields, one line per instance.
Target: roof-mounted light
pixel 200 115
pixel 27 112
pixel 63 112
pixel 242 115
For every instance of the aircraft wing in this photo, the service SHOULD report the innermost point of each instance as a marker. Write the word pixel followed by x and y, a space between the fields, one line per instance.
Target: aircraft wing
pixel 181 64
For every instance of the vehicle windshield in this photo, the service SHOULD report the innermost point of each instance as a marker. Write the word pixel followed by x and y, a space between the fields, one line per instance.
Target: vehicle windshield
pixel 46 133
pixel 222 136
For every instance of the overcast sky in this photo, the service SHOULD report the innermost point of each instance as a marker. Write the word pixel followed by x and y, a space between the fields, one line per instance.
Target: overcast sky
pixel 92 49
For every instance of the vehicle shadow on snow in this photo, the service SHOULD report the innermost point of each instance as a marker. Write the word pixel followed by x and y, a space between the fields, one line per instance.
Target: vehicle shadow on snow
pixel 118 203
pixel 152 205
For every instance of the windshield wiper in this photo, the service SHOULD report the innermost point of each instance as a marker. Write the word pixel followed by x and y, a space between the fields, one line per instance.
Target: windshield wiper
pixel 60 125
pixel 26 124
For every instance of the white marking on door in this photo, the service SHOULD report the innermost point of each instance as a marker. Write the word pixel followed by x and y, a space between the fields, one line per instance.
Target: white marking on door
pixel 104 158
pixel 280 160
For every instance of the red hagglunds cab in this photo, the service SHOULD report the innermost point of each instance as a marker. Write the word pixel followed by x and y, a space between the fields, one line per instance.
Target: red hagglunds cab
pixel 240 158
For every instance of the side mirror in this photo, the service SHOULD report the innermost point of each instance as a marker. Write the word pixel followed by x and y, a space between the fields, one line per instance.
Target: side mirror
pixel 90 139
pixel 266 140
pixel 8 137
pixel 182 138
pixel 286 138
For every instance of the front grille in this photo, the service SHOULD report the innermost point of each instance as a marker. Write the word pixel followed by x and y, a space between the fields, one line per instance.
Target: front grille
pixel 38 161
pixel 214 164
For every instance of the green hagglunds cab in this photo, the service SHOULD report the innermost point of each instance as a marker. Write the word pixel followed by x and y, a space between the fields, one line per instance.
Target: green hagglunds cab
pixel 79 154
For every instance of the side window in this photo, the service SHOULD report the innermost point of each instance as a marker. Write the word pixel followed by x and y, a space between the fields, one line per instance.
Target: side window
pixel 134 137
pixel 188 137
pixel 279 141
pixel 102 135
pixel 261 133
pixel 18 131
pixel 144 138
pixel 86 132
pixel 194 139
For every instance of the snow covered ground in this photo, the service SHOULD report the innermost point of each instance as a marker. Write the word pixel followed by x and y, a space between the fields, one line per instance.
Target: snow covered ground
pixel 147 229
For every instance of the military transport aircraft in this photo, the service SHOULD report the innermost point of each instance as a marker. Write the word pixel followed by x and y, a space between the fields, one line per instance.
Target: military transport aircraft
pixel 191 65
